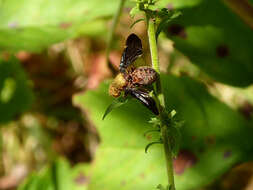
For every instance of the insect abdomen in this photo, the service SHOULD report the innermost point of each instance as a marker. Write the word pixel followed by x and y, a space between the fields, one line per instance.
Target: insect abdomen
pixel 144 75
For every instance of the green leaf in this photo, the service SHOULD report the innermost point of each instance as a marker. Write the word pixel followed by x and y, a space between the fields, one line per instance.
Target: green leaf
pixel 15 92
pixel 214 138
pixel 166 19
pixel 219 43
pixel 58 175
pixel 34 25
pixel 115 104
pixel 151 144
pixel 176 4
pixel 135 22
pixel 160 187
pixel 134 11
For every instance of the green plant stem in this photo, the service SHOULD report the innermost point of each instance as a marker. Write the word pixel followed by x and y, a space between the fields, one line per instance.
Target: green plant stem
pixel 168 156
pixel 1 156
pixel 152 45
pixel 111 33
pixel 160 96
pixel 155 61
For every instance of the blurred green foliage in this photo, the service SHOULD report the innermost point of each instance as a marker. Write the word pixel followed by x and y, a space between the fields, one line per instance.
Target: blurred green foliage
pixel 214 136
pixel 58 175
pixel 214 139
pixel 216 40
pixel 35 25
pixel 15 92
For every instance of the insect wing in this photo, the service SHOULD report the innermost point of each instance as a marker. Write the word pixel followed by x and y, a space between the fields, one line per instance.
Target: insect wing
pixel 144 98
pixel 131 52
pixel 133 41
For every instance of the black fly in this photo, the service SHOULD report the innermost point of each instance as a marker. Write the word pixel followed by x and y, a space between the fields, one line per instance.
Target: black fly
pixel 131 80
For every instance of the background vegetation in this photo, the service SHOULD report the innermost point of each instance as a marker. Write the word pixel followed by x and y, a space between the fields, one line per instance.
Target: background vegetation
pixel 54 90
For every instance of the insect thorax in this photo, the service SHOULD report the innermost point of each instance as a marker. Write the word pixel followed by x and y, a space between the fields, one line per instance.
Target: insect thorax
pixel 143 75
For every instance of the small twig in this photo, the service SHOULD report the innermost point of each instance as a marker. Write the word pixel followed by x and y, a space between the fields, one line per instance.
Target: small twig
pixel 159 93
pixel 111 34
